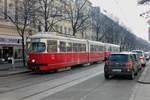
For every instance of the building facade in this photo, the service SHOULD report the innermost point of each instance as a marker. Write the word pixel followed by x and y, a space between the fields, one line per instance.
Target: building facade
pixel 95 22
pixel 86 32
pixel 10 41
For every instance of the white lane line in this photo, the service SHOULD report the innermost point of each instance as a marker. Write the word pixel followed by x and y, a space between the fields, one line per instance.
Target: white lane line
pixel 134 91
pixel 61 88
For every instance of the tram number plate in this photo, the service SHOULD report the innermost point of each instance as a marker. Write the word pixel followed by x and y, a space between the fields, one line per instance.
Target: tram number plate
pixel 116 70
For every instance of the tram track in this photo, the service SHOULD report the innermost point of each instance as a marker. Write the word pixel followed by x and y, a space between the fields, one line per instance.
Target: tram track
pixel 27 80
pixel 50 90
pixel 35 89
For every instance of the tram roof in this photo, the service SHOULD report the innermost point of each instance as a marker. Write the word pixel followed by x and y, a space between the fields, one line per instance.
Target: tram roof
pixel 96 42
pixel 112 44
pixel 54 36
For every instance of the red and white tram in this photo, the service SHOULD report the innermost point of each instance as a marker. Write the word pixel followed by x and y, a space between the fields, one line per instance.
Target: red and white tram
pixel 51 52
pixel 111 48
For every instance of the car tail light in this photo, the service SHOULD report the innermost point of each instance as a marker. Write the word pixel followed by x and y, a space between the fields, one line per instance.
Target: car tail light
pixel 129 65
pixel 141 59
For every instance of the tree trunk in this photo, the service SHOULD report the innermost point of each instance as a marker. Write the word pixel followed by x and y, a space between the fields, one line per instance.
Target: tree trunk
pixel 97 37
pixel 74 32
pixel 23 52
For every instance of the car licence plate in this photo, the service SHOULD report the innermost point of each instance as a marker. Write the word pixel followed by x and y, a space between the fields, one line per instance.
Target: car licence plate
pixel 116 70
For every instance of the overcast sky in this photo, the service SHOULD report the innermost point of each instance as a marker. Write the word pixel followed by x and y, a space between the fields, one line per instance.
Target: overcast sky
pixel 128 12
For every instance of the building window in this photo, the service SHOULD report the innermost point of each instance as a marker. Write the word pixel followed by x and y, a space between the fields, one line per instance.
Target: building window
pixel 10 5
pixel 65 29
pixel 69 31
pixel 56 28
pixel 61 29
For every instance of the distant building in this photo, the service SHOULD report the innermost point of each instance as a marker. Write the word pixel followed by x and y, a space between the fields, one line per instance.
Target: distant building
pixel 95 16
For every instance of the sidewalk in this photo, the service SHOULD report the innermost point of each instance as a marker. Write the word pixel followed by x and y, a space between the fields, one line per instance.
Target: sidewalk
pixel 7 69
pixel 142 90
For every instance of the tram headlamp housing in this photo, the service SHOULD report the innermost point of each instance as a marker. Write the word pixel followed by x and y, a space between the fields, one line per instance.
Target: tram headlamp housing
pixel 33 60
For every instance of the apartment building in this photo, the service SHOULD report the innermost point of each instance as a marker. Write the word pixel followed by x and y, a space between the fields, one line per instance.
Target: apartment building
pixel 10 41
pixel 86 10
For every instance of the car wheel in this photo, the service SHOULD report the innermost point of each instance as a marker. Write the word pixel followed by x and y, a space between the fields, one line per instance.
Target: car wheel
pixel 136 73
pixel 131 76
pixel 143 65
pixel 107 76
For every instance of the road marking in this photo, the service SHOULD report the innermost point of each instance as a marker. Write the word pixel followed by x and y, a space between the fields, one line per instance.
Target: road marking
pixel 135 89
pixel 61 88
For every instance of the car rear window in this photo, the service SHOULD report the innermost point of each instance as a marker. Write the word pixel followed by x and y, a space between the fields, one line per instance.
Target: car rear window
pixel 120 58
pixel 140 53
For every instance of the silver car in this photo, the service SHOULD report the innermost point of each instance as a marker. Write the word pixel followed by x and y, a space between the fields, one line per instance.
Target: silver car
pixel 141 56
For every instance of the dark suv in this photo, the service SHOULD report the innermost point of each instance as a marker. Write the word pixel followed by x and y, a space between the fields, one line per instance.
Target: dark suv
pixel 121 64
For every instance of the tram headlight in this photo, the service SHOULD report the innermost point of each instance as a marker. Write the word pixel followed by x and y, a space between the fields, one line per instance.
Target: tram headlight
pixel 33 60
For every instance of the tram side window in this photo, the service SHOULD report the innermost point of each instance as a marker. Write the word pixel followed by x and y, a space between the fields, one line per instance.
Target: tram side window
pixel 105 48
pixel 69 47
pixel 83 47
pixel 101 48
pixel 75 47
pixel 97 48
pixel 110 48
pixel 62 46
pixel 92 48
pixel 52 46
pixel 79 47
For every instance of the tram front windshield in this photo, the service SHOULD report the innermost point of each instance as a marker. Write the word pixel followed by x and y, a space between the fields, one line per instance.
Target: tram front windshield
pixel 38 47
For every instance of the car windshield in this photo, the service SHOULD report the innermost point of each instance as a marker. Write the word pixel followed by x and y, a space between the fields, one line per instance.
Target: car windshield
pixel 38 47
pixel 120 58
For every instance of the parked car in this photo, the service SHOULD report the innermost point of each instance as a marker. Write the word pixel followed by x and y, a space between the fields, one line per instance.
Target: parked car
pixel 121 64
pixel 137 61
pixel 141 57
pixel 147 55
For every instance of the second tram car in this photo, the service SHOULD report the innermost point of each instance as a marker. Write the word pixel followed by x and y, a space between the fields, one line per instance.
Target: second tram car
pixel 51 52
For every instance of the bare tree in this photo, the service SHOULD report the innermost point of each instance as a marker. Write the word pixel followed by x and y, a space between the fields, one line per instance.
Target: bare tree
pixel 96 22
pixel 75 14
pixel 49 14
pixel 22 19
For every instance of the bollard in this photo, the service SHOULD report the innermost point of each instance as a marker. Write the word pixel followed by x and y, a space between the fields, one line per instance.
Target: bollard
pixel 13 63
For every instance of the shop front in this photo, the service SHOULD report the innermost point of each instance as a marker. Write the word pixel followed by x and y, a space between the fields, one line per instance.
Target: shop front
pixel 10 46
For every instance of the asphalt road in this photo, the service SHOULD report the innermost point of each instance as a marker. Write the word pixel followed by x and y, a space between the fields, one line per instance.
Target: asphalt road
pixel 97 88
pixel 81 83
pixel 14 82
